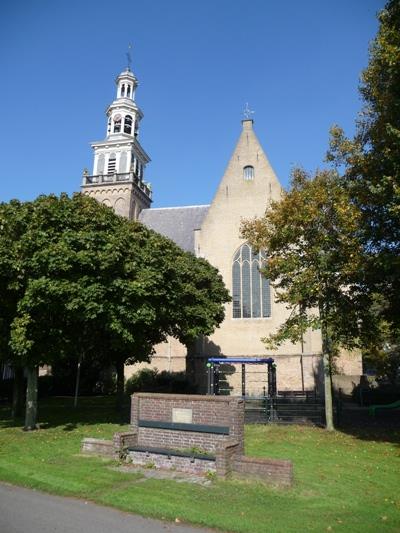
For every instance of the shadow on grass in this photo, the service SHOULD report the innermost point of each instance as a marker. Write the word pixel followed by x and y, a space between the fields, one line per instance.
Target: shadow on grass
pixel 383 427
pixel 60 411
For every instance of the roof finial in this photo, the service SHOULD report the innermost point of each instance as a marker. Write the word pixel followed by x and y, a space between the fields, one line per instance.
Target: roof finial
pixel 247 112
pixel 128 56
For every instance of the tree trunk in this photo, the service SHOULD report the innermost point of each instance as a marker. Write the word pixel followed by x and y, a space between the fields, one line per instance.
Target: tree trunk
pixel 328 392
pixel 31 398
pixel 326 360
pixel 119 366
pixel 18 393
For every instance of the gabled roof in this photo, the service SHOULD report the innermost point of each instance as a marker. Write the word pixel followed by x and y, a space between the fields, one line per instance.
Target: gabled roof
pixel 176 223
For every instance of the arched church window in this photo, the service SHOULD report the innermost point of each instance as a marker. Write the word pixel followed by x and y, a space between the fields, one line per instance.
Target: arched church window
pixel 128 91
pixel 123 90
pixel 112 163
pixel 117 123
pixel 251 293
pixel 128 124
pixel 109 125
pixel 248 173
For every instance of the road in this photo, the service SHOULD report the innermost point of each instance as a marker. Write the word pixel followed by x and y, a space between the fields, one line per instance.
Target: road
pixel 30 511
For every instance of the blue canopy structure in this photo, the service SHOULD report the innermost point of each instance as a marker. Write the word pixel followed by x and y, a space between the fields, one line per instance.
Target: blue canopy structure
pixel 243 360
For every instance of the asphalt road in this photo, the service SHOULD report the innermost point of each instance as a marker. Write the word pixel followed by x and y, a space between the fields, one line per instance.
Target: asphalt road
pixel 29 511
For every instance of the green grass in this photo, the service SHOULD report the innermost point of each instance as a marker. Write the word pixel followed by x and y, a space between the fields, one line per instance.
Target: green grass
pixel 343 481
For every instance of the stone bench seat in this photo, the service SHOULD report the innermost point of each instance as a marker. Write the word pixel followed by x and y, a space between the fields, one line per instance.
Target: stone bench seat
pixel 171 452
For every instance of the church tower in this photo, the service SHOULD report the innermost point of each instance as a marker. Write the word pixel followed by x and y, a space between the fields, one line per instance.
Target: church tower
pixel 117 179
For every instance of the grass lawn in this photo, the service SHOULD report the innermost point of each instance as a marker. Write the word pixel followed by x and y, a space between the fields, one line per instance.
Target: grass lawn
pixel 345 481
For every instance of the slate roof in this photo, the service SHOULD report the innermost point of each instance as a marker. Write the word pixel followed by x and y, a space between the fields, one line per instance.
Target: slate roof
pixel 177 223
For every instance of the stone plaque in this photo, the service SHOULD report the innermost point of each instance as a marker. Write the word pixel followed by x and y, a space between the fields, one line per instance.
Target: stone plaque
pixel 183 416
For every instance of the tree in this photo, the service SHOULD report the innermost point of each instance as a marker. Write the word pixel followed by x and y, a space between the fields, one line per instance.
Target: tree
pixel 14 218
pixel 371 163
pixel 81 281
pixel 167 292
pixel 315 263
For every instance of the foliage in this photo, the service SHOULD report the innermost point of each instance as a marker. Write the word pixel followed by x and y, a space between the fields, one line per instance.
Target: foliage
pixel 375 393
pixel 343 482
pixel 79 281
pixel 315 260
pixel 315 263
pixel 151 380
pixel 385 360
pixel 371 162
pixel 78 271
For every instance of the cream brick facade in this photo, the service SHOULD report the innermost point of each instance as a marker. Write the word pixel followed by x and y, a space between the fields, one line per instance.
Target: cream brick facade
pixel 217 239
pixel 212 232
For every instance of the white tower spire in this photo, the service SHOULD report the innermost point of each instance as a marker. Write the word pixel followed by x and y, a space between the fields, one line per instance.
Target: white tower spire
pixel 119 158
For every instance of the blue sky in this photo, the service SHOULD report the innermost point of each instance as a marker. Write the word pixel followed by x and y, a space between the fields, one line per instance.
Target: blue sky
pixel 297 63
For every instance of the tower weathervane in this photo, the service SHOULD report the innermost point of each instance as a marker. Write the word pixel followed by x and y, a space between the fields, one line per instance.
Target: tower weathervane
pixel 247 112
pixel 128 56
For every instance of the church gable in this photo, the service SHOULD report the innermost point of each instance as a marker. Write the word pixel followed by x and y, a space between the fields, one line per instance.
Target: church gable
pixel 248 186
pixel 245 191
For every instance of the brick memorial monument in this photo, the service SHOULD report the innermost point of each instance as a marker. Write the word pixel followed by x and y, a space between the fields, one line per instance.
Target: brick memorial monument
pixel 190 433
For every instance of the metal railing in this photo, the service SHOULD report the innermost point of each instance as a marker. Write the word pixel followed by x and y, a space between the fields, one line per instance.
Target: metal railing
pixel 119 177
pixel 291 407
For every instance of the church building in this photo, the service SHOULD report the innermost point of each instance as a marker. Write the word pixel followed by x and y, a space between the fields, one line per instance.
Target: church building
pixel 212 232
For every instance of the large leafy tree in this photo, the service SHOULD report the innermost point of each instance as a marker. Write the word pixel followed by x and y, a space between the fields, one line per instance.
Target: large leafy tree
pixel 371 162
pixel 79 281
pixel 13 223
pixel 315 263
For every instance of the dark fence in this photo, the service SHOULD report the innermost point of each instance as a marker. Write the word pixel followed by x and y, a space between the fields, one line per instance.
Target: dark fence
pixel 292 407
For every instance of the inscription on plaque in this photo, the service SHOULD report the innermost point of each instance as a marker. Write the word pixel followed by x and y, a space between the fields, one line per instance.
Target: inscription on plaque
pixel 183 416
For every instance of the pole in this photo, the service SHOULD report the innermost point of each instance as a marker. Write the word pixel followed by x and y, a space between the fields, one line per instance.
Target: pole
pixel 301 362
pixel 216 379
pixel 273 379
pixel 270 380
pixel 210 379
pixel 78 378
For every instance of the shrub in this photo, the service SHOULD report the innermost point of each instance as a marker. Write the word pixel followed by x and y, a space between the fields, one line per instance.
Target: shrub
pixel 382 393
pixel 151 380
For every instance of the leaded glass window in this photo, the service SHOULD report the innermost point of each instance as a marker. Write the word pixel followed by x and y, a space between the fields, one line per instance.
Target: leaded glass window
pixel 250 289
pixel 248 173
